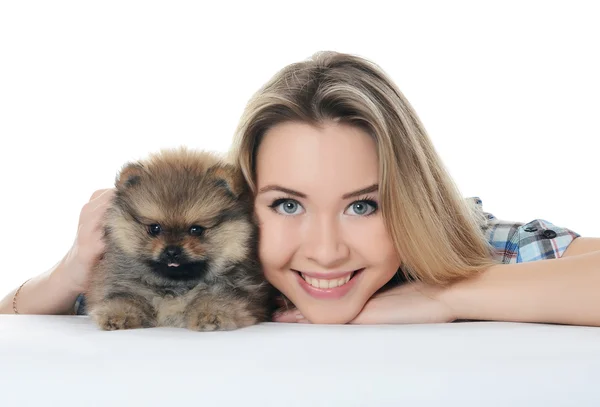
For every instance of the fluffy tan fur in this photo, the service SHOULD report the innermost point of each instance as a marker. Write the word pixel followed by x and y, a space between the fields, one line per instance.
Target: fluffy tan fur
pixel 181 248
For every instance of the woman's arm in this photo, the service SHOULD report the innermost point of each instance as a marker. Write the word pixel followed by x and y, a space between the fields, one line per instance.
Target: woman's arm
pixel 564 291
pixel 47 293
pixel 55 291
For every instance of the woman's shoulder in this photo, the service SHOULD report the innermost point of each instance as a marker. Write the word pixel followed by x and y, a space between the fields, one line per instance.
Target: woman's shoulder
pixel 519 242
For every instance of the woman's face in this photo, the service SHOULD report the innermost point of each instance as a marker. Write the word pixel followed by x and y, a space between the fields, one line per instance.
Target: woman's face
pixel 323 242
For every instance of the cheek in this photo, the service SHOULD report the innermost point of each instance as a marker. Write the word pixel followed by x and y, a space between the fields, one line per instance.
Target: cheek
pixel 375 247
pixel 278 239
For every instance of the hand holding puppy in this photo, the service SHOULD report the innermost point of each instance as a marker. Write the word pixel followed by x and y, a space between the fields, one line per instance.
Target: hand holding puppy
pixel 88 246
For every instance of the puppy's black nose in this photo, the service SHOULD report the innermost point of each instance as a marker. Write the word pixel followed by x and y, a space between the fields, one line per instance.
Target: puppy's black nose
pixel 173 252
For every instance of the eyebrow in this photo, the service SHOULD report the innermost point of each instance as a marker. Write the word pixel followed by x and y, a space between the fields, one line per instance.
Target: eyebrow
pixel 367 190
pixel 281 189
pixel 362 191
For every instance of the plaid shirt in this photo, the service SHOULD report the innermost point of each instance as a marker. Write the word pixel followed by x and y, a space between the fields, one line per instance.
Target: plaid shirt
pixel 514 242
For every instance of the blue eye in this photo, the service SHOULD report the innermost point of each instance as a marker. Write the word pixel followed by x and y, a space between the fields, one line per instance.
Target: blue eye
pixel 362 208
pixel 286 206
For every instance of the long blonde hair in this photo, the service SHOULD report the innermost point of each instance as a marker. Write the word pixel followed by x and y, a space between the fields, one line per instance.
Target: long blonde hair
pixel 435 231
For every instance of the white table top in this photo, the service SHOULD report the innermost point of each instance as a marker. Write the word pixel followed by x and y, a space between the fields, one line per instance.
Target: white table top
pixel 67 361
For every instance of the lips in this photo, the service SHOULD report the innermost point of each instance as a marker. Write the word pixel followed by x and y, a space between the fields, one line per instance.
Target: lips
pixel 328 286
pixel 326 283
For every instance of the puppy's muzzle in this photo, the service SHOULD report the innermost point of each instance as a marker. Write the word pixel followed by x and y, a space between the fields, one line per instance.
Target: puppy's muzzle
pixel 172 255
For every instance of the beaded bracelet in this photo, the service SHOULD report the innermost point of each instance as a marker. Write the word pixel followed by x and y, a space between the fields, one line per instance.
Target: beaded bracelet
pixel 15 296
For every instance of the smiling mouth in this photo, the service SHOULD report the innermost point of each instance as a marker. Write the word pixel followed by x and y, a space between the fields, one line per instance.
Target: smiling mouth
pixel 328 283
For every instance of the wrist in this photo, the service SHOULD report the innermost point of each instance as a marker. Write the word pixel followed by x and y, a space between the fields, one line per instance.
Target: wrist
pixel 51 292
pixel 466 298
pixel 61 277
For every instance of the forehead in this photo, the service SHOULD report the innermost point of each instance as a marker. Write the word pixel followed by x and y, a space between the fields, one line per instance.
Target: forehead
pixel 332 158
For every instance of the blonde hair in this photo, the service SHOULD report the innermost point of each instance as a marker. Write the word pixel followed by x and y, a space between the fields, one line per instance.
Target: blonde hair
pixel 436 233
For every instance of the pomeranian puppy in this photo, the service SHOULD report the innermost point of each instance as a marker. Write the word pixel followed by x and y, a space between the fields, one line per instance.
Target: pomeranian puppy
pixel 181 248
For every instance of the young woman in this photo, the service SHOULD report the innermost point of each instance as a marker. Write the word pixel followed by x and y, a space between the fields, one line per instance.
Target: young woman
pixel 360 222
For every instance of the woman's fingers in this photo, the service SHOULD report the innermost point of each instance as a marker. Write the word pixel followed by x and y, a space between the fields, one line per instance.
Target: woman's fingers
pixel 289 316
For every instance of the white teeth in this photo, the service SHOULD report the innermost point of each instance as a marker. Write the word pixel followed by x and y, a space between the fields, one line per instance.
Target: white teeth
pixel 320 283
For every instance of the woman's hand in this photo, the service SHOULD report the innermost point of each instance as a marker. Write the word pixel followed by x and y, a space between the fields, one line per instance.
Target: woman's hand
pixel 76 267
pixel 410 303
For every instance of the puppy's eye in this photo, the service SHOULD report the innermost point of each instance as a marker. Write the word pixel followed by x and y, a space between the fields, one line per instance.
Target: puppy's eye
pixel 196 230
pixel 154 229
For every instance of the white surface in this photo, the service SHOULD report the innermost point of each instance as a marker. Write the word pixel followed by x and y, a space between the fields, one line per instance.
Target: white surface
pixel 67 361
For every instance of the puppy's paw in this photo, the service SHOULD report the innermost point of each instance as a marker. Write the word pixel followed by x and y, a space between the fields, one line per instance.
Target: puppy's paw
pixel 113 322
pixel 215 319
pixel 119 314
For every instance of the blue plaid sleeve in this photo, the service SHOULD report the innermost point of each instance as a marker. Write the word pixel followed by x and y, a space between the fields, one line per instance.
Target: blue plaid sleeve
pixel 518 242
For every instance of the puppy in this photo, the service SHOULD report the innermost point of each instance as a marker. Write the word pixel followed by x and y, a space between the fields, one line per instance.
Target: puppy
pixel 181 248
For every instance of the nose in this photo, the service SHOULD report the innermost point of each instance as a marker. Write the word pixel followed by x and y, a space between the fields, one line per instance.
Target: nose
pixel 173 252
pixel 325 243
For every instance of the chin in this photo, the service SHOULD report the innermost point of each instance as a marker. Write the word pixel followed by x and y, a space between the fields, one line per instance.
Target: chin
pixel 324 311
pixel 337 314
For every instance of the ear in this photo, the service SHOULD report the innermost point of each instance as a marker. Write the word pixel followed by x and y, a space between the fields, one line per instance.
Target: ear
pixel 129 176
pixel 228 177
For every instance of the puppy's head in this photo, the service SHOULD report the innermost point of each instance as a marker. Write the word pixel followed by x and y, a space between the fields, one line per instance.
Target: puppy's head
pixel 182 212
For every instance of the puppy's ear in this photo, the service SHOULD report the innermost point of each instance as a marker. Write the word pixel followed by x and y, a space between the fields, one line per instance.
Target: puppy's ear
pixel 229 177
pixel 129 176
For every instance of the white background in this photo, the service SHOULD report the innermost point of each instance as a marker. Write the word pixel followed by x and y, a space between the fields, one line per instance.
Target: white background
pixel 509 92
